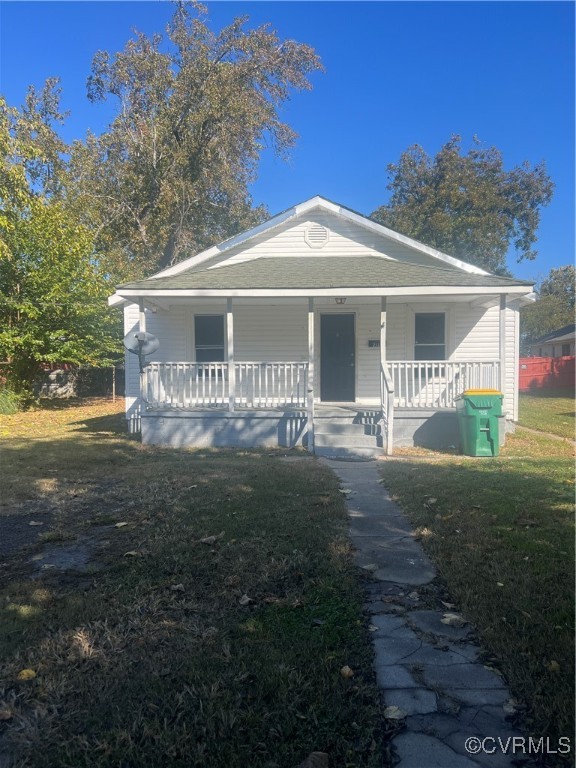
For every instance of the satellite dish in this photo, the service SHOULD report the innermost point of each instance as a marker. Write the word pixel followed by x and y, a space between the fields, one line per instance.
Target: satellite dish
pixel 141 343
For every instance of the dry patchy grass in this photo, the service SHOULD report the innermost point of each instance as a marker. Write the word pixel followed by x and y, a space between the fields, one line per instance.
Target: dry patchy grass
pixel 209 629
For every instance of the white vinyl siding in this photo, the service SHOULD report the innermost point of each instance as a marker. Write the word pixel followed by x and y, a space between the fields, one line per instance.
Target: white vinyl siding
pixel 397 332
pixel 270 333
pixel 171 329
pixel 477 337
pixel 345 239
pixel 367 358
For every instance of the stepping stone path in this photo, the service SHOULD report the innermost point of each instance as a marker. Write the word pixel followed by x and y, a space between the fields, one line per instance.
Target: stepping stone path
pixel 429 671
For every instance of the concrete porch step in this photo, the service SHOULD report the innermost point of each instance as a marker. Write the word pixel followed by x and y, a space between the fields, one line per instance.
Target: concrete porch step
pixel 346 432
pixel 336 440
pixel 348 415
pixel 344 452
pixel 330 427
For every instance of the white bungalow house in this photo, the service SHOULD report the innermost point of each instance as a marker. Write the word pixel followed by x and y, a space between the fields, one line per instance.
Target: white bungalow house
pixel 319 328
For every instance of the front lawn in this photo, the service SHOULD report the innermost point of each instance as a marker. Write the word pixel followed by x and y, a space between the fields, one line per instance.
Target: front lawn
pixel 501 532
pixel 214 608
pixel 548 411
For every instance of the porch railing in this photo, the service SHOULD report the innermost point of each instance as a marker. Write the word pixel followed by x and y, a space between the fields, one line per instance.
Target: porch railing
pixel 436 383
pixel 429 384
pixel 271 385
pixel 206 385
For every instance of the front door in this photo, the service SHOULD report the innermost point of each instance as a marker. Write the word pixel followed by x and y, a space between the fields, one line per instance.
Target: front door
pixel 337 358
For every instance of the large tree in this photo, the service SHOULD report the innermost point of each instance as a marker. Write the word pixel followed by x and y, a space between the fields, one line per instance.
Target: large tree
pixel 467 204
pixel 171 174
pixel 52 288
pixel 553 308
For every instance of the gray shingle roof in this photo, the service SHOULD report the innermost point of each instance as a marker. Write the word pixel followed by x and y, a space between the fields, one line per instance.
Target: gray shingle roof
pixel 557 334
pixel 317 272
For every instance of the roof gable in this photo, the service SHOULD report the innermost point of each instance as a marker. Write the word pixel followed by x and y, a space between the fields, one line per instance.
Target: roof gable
pixel 286 235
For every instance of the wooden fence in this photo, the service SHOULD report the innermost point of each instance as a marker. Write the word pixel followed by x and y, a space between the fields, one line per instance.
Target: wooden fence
pixel 546 373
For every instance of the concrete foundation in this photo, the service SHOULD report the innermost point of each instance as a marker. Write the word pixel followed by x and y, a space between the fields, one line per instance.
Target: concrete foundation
pixel 425 429
pixel 357 431
pixel 221 429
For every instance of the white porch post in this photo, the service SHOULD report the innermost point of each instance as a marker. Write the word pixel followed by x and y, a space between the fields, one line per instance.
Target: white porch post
pixel 230 355
pixel 386 395
pixel 382 330
pixel 143 374
pixel 141 316
pixel 502 351
pixel 310 382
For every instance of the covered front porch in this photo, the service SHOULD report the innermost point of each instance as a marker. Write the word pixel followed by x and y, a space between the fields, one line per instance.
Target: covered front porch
pixel 343 386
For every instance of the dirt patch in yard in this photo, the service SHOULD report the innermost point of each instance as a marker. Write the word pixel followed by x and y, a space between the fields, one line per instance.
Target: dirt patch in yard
pixel 22 529
pixel 79 556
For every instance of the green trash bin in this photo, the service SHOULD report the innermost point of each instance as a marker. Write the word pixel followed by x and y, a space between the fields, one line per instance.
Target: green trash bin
pixel 479 412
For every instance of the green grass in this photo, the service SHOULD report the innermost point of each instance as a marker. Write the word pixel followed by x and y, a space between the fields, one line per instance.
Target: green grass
pixel 501 532
pixel 179 652
pixel 548 411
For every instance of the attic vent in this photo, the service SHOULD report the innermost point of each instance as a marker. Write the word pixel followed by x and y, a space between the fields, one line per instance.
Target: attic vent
pixel 316 236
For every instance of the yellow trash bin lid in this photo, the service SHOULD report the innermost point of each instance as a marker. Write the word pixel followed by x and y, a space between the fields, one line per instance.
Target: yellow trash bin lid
pixel 482 392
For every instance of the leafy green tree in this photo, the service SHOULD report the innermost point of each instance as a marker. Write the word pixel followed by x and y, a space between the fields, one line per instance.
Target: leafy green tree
pixel 554 307
pixel 171 174
pixel 467 205
pixel 52 290
pixel 560 284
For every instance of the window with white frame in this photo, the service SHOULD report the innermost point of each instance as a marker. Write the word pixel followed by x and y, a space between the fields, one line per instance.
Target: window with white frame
pixel 430 336
pixel 209 338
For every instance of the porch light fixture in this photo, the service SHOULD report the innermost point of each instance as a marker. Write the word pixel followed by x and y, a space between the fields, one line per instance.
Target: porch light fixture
pixel 340 299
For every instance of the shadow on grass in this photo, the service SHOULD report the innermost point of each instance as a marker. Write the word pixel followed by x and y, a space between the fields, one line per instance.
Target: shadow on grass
pixel 115 423
pixel 57 404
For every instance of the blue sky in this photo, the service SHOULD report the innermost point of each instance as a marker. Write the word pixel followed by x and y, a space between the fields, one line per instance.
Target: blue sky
pixel 397 73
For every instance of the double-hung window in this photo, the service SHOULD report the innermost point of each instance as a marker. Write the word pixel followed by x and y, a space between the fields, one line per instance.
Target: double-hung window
pixel 430 336
pixel 209 338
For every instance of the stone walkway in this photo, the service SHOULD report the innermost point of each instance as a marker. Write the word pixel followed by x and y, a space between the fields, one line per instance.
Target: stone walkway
pixel 429 671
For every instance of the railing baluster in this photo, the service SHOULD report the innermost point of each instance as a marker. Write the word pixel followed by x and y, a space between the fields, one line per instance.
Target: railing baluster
pixel 277 372
pixel 249 385
pixel 406 385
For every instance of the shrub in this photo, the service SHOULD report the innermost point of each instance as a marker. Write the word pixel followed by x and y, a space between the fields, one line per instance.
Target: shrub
pixel 10 402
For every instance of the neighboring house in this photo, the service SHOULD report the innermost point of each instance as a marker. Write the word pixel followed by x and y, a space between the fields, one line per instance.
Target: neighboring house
pixel 323 328
pixel 559 343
